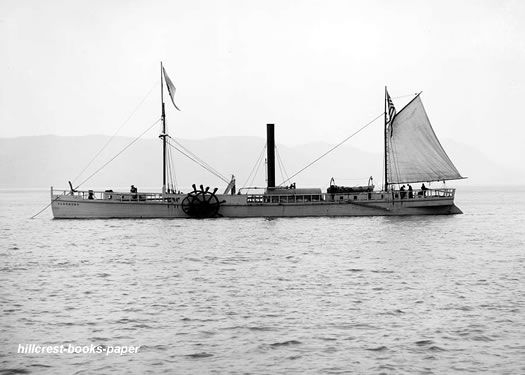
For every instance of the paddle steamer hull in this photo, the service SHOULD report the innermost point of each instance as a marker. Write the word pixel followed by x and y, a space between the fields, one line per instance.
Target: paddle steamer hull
pixel 244 206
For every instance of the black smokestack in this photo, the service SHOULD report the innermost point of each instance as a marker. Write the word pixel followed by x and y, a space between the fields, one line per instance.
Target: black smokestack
pixel 270 148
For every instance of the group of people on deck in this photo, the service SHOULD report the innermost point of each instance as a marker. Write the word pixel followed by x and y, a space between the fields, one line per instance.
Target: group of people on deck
pixel 403 192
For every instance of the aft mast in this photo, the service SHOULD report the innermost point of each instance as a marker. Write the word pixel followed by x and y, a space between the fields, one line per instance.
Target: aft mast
pixel 386 151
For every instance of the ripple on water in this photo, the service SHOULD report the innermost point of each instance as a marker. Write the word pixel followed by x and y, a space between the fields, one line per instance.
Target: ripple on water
pixel 424 342
pixel 285 343
pixel 41 365
pixel 13 371
pixel 263 329
pixel 199 355
pixel 153 348
pixel 435 348
pixel 381 348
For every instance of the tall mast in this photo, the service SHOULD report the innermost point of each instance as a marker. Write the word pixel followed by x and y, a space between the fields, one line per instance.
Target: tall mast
pixel 163 135
pixel 386 157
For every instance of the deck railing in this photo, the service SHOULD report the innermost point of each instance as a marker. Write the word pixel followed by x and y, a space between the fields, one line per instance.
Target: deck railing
pixel 108 195
pixel 290 198
pixel 445 193
pixel 358 196
pixel 427 193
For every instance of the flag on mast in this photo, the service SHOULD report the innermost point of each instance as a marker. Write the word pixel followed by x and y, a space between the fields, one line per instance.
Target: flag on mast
pixel 391 111
pixel 171 88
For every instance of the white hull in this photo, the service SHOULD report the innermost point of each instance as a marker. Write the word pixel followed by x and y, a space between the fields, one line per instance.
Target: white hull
pixel 237 206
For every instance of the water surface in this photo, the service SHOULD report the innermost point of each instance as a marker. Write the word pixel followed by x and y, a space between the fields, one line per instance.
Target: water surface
pixel 421 295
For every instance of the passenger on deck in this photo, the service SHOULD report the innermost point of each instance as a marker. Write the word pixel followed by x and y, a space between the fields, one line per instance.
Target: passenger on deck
pixel 423 189
pixel 402 192
pixel 410 191
pixel 133 190
pixel 91 195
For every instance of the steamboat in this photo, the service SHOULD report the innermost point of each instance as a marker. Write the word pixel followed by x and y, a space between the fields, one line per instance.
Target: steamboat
pixel 412 155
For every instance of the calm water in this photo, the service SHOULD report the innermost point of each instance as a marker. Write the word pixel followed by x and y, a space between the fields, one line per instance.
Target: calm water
pixel 418 295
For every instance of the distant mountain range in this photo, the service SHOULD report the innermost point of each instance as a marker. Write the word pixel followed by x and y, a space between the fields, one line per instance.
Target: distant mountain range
pixel 44 161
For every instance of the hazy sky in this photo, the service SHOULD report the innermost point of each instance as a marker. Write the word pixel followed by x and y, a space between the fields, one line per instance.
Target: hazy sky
pixel 315 68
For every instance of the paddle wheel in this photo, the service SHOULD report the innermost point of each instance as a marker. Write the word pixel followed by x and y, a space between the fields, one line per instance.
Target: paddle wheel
pixel 201 203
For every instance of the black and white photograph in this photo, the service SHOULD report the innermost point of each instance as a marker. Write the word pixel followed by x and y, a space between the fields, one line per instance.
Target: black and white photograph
pixel 262 187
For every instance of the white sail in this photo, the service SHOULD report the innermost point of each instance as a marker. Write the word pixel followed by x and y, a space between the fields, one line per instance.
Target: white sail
pixel 414 152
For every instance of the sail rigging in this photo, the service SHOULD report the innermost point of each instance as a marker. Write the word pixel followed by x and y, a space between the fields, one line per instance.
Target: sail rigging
pixel 414 151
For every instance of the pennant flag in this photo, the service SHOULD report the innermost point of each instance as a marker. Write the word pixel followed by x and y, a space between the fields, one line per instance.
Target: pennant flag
pixel 171 88
pixel 391 111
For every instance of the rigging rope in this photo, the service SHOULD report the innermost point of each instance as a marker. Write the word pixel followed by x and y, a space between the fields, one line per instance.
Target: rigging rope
pixel 43 209
pixel 171 171
pixel 333 148
pixel 257 170
pixel 196 157
pixel 404 96
pixel 281 164
pixel 197 160
pixel 115 134
pixel 201 161
pixel 168 169
pixel 120 152
pixel 351 179
pixel 255 166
